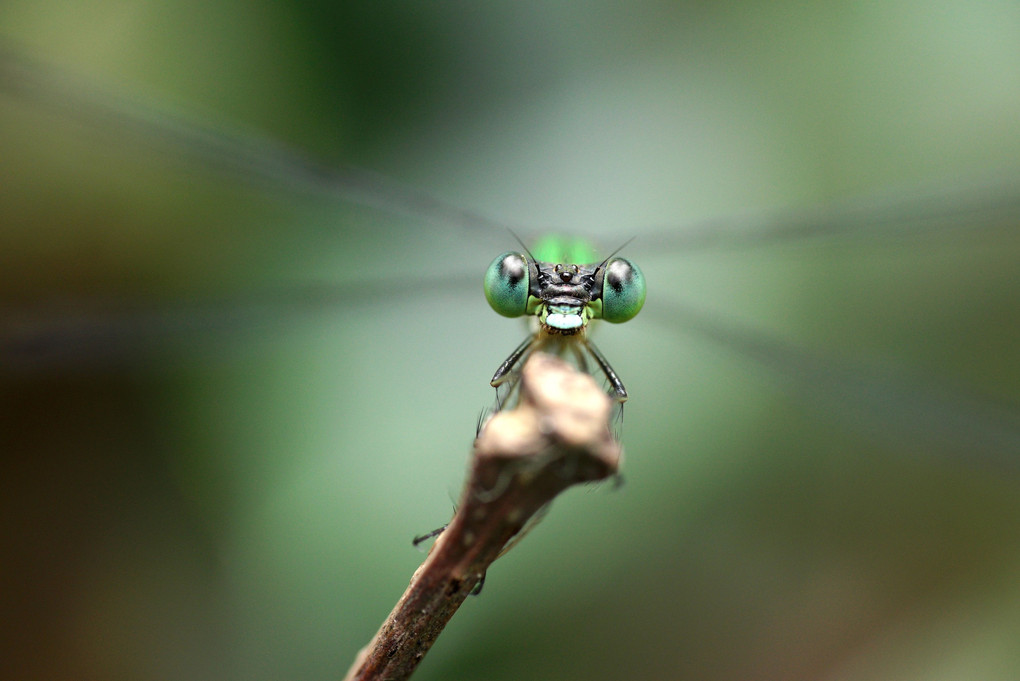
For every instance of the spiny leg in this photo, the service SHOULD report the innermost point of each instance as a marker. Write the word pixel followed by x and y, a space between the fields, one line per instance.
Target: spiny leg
pixel 619 395
pixel 428 535
pixel 504 372
pixel 508 364
pixel 582 361
pixel 619 392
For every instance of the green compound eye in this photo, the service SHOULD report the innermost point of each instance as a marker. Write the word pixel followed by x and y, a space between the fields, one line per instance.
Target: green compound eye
pixel 623 291
pixel 507 285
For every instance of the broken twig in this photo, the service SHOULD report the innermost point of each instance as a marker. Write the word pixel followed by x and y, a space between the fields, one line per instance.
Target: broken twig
pixel 522 459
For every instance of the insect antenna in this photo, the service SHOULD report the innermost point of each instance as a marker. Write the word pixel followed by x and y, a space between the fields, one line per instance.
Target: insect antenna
pixel 618 249
pixel 521 242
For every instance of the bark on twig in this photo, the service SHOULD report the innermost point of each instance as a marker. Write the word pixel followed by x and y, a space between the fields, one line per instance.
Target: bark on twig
pixel 558 436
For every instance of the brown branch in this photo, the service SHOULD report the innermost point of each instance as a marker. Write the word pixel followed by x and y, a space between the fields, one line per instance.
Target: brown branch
pixel 557 437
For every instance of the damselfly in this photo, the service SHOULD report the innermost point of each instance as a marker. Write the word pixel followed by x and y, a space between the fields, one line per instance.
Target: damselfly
pixel 237 379
pixel 561 289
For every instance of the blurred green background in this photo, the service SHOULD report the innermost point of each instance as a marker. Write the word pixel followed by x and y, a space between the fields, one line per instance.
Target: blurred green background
pixel 235 499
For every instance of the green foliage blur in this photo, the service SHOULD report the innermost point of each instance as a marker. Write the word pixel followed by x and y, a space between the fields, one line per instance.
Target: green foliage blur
pixel 236 499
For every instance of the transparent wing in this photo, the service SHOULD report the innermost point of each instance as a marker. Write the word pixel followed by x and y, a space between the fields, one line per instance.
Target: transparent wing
pixel 920 412
pixel 252 157
pixel 79 337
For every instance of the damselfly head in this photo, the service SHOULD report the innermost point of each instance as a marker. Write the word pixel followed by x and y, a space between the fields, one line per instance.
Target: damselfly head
pixel 564 294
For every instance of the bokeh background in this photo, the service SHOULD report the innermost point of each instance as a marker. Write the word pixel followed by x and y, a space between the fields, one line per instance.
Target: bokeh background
pixel 211 470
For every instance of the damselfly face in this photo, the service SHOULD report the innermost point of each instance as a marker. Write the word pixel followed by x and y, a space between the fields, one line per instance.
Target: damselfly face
pixel 562 296
pixel 237 382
